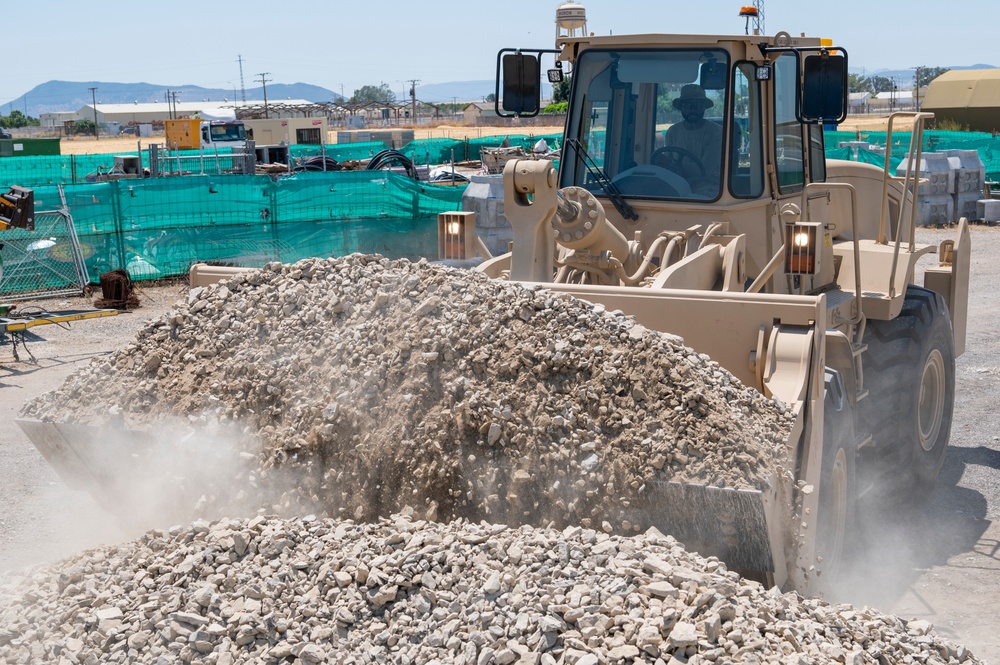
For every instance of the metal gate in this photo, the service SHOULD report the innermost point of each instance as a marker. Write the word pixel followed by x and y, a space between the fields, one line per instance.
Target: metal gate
pixel 46 262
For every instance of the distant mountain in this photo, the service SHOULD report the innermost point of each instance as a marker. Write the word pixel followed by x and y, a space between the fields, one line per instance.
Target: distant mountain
pixel 56 96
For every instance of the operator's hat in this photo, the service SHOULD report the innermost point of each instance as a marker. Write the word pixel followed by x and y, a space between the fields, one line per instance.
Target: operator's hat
pixel 693 92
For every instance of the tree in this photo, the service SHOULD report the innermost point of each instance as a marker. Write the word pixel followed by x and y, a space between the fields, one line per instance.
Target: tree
pixel 560 91
pixel 380 94
pixel 491 97
pixel 858 83
pixel 18 119
pixel 880 84
pixel 555 108
pixel 924 75
pixel 83 127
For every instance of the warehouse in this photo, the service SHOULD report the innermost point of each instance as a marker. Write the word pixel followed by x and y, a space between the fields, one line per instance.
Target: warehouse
pixel 970 98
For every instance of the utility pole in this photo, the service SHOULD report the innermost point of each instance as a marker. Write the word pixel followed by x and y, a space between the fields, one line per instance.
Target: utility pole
pixel 173 94
pixel 758 22
pixel 243 89
pixel 413 99
pixel 263 82
pixel 93 101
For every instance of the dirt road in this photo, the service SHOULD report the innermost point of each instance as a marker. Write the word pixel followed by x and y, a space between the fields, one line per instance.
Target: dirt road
pixel 939 562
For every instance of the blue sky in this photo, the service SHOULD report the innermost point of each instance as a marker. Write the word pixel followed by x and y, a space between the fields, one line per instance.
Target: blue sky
pixel 345 45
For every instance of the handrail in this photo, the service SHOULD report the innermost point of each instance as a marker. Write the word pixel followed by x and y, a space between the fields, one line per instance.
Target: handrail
pixel 912 168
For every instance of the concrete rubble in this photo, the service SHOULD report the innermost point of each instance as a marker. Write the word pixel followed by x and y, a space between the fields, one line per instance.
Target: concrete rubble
pixel 308 590
pixel 470 397
pixel 429 467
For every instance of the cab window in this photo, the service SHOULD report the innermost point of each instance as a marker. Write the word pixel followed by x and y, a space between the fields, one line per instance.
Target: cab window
pixel 788 148
pixel 746 153
pixel 652 122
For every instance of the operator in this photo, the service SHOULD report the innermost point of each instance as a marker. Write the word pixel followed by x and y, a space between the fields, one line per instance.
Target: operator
pixel 698 142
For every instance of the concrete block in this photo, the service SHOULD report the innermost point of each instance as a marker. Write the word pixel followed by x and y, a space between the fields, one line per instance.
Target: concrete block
pixel 936 170
pixel 988 210
pixel 970 172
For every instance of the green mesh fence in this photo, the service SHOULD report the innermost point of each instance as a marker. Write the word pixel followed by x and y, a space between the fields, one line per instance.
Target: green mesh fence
pixel 987 145
pixel 158 227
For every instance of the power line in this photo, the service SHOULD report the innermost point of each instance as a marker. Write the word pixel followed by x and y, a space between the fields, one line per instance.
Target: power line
pixel 413 99
pixel 93 100
pixel 263 82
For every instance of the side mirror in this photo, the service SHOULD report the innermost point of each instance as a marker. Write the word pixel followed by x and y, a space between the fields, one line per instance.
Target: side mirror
pixel 520 75
pixel 824 88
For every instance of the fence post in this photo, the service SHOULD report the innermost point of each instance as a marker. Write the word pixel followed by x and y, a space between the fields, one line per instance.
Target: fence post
pixel 116 210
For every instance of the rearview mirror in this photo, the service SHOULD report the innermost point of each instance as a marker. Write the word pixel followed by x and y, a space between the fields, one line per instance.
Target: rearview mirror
pixel 824 88
pixel 712 76
pixel 521 85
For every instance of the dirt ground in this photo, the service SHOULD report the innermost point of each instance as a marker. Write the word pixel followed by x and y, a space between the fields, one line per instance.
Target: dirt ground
pixel 939 561
pixel 88 145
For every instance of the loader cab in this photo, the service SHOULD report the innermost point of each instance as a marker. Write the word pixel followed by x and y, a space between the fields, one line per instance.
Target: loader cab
pixel 653 121
pixel 628 130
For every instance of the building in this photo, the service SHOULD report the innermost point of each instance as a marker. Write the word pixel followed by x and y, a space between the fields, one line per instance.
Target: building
pixel 478 112
pixel 969 98
pixel 289 131
pixel 146 113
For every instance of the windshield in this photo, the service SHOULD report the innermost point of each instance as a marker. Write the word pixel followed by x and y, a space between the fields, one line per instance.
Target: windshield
pixel 228 132
pixel 652 120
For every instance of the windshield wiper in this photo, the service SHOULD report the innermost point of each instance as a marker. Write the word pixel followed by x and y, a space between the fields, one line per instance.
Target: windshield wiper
pixel 611 189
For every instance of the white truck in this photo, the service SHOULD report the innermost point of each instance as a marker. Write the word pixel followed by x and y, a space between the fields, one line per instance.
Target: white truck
pixel 211 130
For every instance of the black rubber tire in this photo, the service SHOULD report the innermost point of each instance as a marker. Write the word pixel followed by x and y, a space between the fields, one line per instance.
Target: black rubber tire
pixel 909 371
pixel 838 490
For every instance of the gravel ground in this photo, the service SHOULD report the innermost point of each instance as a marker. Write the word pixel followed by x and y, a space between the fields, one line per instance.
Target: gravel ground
pixel 938 563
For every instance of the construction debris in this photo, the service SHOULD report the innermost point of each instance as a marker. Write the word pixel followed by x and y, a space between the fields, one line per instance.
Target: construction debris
pixel 266 590
pixel 469 397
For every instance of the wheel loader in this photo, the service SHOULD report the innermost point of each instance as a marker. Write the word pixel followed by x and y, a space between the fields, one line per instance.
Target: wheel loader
pixel 793 271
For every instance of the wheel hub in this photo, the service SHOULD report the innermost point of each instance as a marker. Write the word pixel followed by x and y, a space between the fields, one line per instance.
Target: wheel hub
pixel 930 407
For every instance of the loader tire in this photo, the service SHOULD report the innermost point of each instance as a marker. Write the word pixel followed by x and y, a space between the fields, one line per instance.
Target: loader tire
pixel 909 371
pixel 838 490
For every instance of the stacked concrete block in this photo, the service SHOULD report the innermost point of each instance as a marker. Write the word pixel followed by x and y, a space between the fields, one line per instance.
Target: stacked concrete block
pixel 935 197
pixel 970 178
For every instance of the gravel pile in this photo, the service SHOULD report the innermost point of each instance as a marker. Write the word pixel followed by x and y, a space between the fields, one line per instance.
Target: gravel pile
pixel 308 590
pixel 374 386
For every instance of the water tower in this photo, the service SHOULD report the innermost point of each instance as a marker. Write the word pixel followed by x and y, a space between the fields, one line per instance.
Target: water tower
pixel 571 20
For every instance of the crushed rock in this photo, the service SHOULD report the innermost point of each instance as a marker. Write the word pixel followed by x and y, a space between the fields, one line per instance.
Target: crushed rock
pixel 375 385
pixel 267 590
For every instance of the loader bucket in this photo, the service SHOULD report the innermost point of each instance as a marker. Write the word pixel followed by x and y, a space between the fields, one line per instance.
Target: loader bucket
pixel 80 453
pixel 137 475
pixel 141 477
pixel 739 526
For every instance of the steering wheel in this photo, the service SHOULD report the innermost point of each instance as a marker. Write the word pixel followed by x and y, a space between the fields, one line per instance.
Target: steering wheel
pixel 671 156
pixel 648 180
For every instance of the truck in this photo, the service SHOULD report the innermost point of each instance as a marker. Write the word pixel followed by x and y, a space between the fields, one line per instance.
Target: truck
pixel 200 134
pixel 795 272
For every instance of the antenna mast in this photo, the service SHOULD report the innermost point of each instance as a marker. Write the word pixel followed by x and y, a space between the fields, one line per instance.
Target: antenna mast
pixel 243 89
